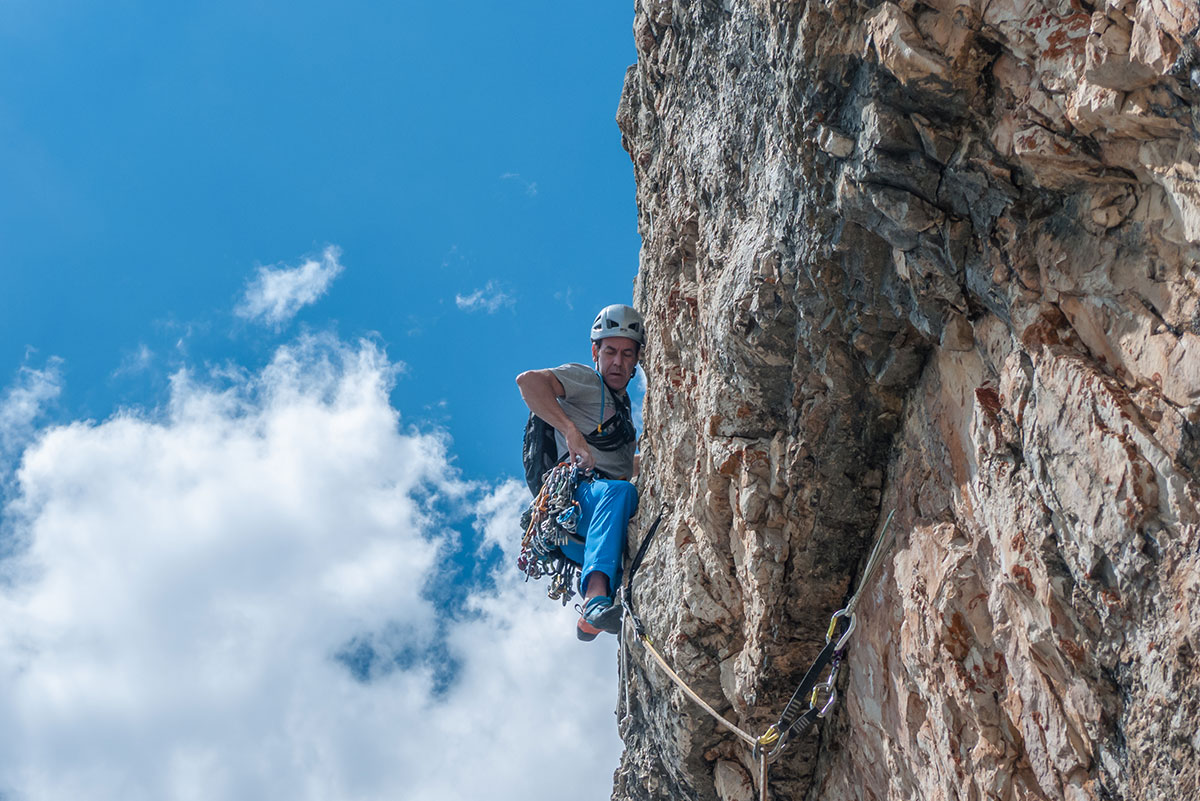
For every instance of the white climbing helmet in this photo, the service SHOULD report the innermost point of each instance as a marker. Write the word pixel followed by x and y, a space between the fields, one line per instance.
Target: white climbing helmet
pixel 619 320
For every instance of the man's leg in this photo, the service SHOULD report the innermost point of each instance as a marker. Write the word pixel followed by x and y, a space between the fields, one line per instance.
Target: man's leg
pixel 606 507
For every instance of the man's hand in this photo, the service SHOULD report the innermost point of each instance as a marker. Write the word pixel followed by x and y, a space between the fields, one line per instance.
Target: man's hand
pixel 577 447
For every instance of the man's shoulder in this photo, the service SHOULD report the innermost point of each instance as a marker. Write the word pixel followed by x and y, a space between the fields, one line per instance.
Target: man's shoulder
pixel 572 369
pixel 575 377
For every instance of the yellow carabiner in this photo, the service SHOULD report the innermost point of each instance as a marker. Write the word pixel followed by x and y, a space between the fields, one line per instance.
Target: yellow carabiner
pixel 833 627
pixel 770 736
pixel 765 741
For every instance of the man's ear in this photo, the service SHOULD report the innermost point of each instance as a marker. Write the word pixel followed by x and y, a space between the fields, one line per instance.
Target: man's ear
pixel 595 351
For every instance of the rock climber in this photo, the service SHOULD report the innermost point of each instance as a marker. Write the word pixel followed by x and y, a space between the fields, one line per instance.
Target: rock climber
pixel 590 411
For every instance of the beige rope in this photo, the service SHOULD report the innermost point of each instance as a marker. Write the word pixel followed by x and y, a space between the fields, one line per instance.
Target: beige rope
pixel 744 736
pixel 749 739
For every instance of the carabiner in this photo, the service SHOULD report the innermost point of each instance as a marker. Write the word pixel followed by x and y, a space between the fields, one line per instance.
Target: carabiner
pixel 833 696
pixel 774 753
pixel 770 736
pixel 833 627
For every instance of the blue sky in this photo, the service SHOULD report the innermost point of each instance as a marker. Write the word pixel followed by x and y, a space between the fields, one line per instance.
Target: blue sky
pixel 155 155
pixel 269 271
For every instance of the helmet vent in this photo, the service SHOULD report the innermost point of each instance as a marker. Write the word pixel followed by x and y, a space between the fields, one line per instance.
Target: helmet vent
pixel 619 321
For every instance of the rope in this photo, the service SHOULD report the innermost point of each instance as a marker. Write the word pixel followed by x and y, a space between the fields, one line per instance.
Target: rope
pixel 630 614
pixel 791 720
pixel 746 737
pixel 627 590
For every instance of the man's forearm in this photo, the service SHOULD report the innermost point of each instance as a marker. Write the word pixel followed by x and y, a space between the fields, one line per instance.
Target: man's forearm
pixel 541 390
pixel 538 392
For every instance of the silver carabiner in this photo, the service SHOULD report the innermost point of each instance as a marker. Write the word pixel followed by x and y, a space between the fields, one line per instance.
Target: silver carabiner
pixel 846 635
pixel 833 696
pixel 775 752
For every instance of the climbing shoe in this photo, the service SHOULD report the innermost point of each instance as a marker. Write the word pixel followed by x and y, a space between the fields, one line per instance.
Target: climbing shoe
pixel 600 613
pixel 585 636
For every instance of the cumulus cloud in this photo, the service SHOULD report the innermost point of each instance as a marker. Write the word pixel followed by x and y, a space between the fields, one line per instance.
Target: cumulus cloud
pixel 638 395
pixel 276 293
pixel 23 402
pixel 229 599
pixel 489 299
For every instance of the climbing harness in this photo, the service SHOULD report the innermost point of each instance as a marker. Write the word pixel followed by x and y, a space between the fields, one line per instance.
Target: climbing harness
pixel 550 521
pixel 618 430
pixel 821 695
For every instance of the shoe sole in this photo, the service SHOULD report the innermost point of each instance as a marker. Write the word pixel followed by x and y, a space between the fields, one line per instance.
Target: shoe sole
pixel 583 636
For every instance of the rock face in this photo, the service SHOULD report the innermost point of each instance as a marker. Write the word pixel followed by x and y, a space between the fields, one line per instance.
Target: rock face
pixel 939 257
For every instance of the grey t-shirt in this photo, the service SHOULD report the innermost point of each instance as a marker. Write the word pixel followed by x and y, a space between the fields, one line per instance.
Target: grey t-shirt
pixel 581 403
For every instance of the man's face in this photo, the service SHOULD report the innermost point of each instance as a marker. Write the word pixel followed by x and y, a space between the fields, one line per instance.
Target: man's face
pixel 615 358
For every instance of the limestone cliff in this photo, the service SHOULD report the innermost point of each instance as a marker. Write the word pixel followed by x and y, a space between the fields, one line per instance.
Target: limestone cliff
pixel 938 257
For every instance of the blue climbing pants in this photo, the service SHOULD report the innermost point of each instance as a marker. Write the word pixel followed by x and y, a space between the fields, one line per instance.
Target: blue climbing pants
pixel 605 508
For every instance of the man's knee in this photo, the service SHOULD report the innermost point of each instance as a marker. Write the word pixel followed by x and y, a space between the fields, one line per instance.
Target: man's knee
pixel 622 493
pixel 622 487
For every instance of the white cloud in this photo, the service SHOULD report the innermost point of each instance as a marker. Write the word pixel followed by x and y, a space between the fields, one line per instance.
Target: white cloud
pixel 531 187
pixel 638 395
pixel 172 627
pixel 489 299
pixel 275 295
pixel 135 362
pixel 23 402
pixel 565 298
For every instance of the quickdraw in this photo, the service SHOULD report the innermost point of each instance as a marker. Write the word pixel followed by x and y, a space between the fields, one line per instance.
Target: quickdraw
pixel 550 521
pixel 822 696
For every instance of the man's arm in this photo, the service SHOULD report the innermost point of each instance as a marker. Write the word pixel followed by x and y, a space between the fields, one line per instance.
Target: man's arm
pixel 540 390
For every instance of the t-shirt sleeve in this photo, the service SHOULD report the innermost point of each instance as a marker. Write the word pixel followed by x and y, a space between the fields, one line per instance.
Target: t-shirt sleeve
pixel 580 383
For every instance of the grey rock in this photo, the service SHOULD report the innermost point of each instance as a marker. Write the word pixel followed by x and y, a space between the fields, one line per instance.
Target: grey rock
pixel 921 257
